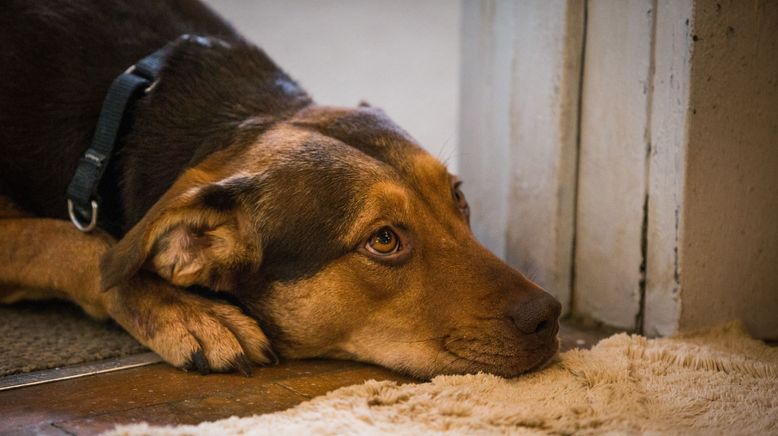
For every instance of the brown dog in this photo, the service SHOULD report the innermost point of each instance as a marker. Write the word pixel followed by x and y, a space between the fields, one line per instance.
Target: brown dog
pixel 328 227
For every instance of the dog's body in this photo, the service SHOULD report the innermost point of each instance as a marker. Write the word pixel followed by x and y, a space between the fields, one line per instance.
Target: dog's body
pixel 330 226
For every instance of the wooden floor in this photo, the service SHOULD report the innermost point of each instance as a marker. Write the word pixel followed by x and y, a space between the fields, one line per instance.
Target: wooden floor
pixel 160 394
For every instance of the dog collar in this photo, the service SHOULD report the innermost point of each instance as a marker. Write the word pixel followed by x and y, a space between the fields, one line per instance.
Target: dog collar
pixel 137 81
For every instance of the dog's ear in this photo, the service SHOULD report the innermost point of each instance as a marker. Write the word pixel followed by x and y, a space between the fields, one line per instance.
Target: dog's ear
pixel 201 236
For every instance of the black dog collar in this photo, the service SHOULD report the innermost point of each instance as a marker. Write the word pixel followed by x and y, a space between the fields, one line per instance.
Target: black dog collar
pixel 134 83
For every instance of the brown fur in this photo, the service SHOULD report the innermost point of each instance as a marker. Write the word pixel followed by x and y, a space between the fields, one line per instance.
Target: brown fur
pixel 245 204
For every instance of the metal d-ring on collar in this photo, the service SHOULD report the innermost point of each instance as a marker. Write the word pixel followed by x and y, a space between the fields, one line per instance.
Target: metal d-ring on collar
pixel 137 81
pixel 75 220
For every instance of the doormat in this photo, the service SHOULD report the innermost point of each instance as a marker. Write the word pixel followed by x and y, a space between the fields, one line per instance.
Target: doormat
pixel 715 382
pixel 51 334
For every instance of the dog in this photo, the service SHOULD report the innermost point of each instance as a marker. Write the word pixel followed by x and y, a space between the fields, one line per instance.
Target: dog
pixel 238 221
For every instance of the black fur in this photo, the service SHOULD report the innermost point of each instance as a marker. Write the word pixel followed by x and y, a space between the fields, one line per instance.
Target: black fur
pixel 57 59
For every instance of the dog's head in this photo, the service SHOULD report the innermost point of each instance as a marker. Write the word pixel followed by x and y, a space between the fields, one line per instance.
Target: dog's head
pixel 347 240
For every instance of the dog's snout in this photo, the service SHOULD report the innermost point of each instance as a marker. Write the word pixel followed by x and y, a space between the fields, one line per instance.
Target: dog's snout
pixel 537 316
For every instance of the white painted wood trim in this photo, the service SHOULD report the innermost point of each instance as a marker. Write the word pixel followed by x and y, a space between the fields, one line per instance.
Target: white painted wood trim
pixel 521 67
pixel 545 80
pixel 612 172
pixel 669 136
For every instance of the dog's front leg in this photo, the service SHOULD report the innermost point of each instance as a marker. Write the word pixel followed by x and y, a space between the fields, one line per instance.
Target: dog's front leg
pixel 187 330
pixel 45 258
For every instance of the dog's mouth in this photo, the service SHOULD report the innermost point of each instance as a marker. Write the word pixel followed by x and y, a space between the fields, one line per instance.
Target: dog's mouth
pixel 497 356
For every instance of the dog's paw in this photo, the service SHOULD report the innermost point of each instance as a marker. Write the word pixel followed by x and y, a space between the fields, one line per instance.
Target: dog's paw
pixel 187 330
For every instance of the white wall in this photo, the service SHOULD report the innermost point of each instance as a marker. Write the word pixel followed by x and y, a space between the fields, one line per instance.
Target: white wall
pixel 400 55
pixel 729 238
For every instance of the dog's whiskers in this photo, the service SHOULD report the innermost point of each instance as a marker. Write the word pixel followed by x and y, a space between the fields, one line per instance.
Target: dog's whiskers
pixel 442 350
pixel 419 340
pixel 447 149
pixel 447 343
pixel 453 361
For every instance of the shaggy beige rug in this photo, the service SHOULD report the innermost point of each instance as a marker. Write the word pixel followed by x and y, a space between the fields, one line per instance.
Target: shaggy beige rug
pixel 715 382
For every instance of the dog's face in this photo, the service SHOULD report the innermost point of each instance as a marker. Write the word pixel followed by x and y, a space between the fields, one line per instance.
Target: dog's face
pixel 346 240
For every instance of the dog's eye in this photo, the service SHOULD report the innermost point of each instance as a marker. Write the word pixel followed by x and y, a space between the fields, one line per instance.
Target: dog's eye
pixel 384 242
pixel 459 197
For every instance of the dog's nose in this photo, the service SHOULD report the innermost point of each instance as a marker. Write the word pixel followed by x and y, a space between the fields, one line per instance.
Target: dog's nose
pixel 537 316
